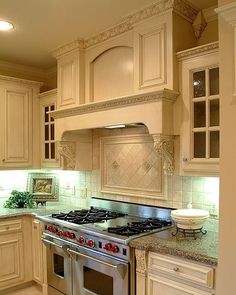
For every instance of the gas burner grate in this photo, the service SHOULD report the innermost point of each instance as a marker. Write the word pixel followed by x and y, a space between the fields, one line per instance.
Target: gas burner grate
pixel 138 227
pixel 85 216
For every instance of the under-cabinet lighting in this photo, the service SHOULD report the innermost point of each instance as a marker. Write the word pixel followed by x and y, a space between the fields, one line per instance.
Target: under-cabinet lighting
pixel 115 126
pixel 5 26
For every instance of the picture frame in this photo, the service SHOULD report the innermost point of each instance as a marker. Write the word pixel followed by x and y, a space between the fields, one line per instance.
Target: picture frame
pixel 43 186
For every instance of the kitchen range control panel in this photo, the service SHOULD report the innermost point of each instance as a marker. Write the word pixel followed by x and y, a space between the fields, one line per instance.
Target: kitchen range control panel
pixel 100 244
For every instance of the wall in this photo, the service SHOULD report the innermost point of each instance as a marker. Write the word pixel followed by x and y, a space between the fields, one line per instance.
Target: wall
pixel 76 188
pixel 227 259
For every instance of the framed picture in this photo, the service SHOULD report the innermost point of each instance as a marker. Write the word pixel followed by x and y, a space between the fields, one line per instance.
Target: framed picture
pixel 43 186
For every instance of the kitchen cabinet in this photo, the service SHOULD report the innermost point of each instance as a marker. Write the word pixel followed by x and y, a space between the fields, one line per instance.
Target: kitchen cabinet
pixel 15 251
pixel 70 76
pixel 48 151
pixel 37 251
pixel 200 128
pixel 171 275
pixel 18 122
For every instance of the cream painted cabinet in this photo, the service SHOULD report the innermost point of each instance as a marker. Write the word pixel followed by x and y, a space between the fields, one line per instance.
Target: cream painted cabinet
pixel 18 120
pixel 200 129
pixel 48 151
pixel 70 77
pixel 15 252
pixel 37 251
pixel 175 276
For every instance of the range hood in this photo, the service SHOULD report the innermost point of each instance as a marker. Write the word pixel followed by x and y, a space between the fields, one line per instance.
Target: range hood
pixel 153 109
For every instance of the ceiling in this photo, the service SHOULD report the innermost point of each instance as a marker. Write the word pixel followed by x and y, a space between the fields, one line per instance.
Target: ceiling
pixel 43 25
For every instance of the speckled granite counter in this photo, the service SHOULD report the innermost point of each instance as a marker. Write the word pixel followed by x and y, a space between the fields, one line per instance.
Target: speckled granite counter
pixel 203 249
pixel 4 212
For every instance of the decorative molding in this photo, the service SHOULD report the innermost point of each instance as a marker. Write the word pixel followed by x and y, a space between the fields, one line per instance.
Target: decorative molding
pixel 164 146
pixel 115 103
pixel 49 92
pixel 141 261
pixel 185 10
pixel 210 14
pixel 67 150
pixel 67 48
pixel 199 50
pixel 228 12
pixel 180 7
pixel 18 80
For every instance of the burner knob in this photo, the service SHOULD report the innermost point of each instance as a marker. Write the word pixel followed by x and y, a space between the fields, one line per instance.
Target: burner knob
pixel 107 246
pixel 115 249
pixel 90 243
pixel 81 240
pixel 72 236
pixel 59 233
pixel 53 230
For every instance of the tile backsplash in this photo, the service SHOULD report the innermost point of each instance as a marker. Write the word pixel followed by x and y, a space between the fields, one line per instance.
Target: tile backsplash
pixel 75 188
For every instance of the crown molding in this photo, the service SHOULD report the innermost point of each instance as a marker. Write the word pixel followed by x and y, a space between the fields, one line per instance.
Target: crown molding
pixel 210 14
pixel 163 95
pixel 68 47
pixel 18 80
pixel 180 7
pixel 228 12
pixel 49 92
pixel 196 51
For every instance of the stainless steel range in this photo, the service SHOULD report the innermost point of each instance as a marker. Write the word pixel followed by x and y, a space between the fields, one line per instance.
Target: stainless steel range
pixel 88 250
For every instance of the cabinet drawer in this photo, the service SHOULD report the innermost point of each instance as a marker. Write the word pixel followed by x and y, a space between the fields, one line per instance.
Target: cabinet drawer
pixel 178 268
pixel 11 225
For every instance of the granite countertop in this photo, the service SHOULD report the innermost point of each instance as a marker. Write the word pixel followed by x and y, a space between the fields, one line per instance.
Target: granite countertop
pixel 40 211
pixel 203 249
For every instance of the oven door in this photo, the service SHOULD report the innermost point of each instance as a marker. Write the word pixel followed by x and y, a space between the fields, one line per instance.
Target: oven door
pixel 98 274
pixel 58 267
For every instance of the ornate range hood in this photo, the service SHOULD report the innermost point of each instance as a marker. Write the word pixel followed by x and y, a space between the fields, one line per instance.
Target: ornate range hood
pixel 153 109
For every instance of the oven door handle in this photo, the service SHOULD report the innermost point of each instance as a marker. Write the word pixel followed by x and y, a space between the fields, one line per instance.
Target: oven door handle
pixel 120 268
pixel 64 247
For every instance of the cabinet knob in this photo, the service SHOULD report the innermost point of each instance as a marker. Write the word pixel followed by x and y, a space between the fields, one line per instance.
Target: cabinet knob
pixel 176 269
pixel 3 160
pixel 185 159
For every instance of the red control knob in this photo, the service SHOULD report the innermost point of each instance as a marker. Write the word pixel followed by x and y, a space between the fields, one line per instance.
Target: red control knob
pixel 90 243
pixel 107 246
pixel 81 240
pixel 59 233
pixel 72 236
pixel 115 249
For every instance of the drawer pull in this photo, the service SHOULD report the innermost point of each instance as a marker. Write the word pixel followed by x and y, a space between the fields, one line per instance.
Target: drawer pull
pixel 7 227
pixel 176 269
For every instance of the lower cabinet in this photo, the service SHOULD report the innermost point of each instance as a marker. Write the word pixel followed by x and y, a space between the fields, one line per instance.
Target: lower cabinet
pixel 176 276
pixel 11 259
pixel 15 251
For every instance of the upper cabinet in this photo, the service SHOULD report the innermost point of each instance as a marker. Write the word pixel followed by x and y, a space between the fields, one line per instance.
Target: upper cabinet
pixel 18 123
pixel 70 77
pixel 200 130
pixel 48 152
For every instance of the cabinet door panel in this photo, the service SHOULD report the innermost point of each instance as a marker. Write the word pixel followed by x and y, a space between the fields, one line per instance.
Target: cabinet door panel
pixel 161 286
pixel 12 259
pixel 17 126
pixel 37 252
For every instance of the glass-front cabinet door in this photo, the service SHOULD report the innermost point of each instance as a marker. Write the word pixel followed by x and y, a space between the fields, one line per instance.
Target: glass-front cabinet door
pixel 200 125
pixel 49 157
pixel 205 114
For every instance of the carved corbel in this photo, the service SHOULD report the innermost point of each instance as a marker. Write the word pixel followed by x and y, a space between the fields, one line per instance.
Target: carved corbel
pixel 164 146
pixel 67 150
pixel 199 25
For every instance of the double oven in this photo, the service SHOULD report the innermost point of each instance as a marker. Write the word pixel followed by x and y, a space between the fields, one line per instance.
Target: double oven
pixel 76 270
